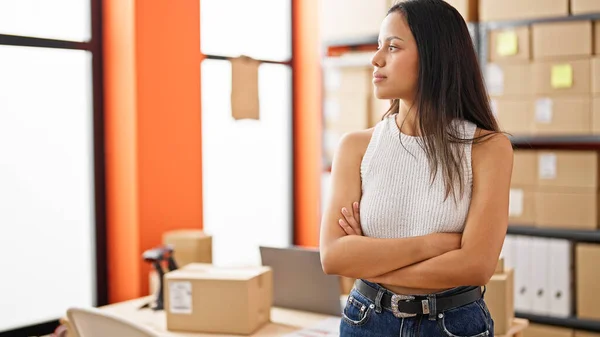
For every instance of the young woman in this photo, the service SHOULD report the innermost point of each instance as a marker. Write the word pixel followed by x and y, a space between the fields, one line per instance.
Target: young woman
pixel 419 204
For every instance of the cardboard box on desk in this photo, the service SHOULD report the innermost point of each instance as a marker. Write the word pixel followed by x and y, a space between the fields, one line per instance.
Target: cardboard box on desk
pixel 499 297
pixel 190 246
pixel 205 298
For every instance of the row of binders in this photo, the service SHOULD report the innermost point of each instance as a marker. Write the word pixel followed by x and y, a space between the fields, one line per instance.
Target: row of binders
pixel 543 270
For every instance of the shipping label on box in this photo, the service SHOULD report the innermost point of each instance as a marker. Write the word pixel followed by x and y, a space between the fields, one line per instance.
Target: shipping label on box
pixel 563 115
pixel 569 169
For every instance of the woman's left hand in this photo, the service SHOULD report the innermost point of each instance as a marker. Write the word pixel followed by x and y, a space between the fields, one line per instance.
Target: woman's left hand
pixel 350 222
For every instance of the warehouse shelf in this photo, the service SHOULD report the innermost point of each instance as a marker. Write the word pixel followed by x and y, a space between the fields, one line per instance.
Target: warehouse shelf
pixel 516 23
pixel 568 322
pixel 372 39
pixel 524 141
pixel 560 233
pixel 353 42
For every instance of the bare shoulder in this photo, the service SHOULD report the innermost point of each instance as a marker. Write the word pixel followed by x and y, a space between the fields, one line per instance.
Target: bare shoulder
pixel 493 149
pixel 355 143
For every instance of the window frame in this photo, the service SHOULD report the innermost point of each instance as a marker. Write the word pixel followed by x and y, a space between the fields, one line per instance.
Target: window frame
pixel 94 46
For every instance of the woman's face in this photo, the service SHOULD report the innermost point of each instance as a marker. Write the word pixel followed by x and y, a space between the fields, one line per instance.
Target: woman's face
pixel 396 62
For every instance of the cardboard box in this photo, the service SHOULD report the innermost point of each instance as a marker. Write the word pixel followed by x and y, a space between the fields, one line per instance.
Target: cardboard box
pixel 597 37
pixel 579 333
pixel 585 6
pixel 189 246
pixel 377 108
pixel 596 75
pixel 510 45
pixel 596 116
pixel 588 287
pixel 499 297
pixel 348 80
pixel 514 115
pixel 512 80
pixel 539 330
pixel 521 208
pixel 346 112
pixel 566 77
pixel 525 168
pixel 494 10
pixel 205 298
pixel 572 208
pixel 338 20
pixel 563 115
pixel 575 39
pixel 468 9
pixel 564 168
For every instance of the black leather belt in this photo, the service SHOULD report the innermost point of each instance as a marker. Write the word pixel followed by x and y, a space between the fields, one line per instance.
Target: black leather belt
pixel 409 306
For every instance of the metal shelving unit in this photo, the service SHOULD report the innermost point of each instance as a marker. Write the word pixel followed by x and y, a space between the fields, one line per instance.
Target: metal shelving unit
pixel 565 322
pixel 485 27
pixel 479 32
pixel 558 233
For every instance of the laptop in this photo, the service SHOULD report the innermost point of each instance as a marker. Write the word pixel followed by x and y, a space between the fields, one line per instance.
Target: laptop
pixel 299 281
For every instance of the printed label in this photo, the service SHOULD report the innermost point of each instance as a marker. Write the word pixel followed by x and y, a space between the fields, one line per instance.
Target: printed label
pixel 515 205
pixel 547 166
pixel 180 297
pixel 543 110
pixel 495 79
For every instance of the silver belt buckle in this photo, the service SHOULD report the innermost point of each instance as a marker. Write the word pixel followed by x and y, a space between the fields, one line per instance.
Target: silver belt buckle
pixel 395 300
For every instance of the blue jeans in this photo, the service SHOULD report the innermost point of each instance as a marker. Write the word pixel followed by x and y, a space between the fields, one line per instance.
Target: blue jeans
pixel 361 319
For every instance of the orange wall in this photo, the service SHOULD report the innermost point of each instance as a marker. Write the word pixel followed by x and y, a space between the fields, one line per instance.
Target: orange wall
pixel 307 122
pixel 153 143
pixel 153 129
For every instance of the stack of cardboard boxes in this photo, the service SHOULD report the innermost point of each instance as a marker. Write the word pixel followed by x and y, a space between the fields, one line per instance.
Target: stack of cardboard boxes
pixel 201 297
pixel 499 298
pixel 349 101
pixel 543 78
pixel 555 188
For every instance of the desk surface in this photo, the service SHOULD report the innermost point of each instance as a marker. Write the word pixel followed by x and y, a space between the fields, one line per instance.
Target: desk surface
pixel 283 321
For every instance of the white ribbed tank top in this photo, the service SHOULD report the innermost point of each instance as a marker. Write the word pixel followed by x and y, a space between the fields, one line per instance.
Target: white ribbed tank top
pixel 398 198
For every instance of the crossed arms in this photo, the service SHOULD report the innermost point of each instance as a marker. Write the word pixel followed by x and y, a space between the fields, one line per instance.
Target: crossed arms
pixel 434 261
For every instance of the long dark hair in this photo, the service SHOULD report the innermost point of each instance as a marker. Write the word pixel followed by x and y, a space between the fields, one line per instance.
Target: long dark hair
pixel 450 86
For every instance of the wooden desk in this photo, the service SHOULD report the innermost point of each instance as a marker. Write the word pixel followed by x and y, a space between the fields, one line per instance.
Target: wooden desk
pixel 283 321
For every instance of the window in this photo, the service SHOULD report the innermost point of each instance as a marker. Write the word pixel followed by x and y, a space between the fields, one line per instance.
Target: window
pixel 57 19
pixel 247 164
pixel 50 235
